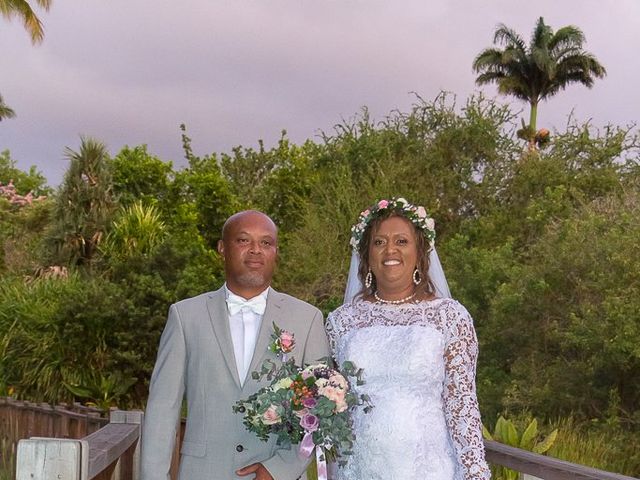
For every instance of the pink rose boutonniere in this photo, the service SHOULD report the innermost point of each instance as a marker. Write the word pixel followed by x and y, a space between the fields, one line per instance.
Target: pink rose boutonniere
pixel 282 343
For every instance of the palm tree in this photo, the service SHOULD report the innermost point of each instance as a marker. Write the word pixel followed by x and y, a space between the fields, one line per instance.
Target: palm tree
pixel 538 71
pixel 22 9
pixel 5 110
pixel 84 206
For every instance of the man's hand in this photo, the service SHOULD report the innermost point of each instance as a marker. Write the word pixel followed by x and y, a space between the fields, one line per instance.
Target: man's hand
pixel 260 471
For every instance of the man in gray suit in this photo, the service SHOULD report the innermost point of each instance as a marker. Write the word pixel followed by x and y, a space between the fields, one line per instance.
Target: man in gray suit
pixel 209 347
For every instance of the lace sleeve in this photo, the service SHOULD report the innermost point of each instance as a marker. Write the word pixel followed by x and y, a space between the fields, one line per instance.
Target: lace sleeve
pixel 330 327
pixel 460 400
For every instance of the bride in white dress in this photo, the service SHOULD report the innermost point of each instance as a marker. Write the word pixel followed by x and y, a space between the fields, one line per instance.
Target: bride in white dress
pixel 418 349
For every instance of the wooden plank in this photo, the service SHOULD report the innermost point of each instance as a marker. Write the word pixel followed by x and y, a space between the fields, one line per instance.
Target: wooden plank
pixel 541 466
pixel 48 459
pixel 108 444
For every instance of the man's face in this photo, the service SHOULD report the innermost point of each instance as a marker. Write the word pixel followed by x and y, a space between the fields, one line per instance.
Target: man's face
pixel 249 249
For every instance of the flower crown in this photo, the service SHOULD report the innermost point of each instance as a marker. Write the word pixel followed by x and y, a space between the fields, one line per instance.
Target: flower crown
pixel 415 214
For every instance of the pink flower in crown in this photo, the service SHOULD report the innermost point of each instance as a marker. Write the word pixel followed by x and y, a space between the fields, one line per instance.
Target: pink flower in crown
pixel 287 341
pixel 421 212
pixel 365 213
pixel 383 204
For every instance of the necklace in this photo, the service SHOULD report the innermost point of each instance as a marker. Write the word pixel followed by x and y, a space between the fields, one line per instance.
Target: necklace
pixel 393 302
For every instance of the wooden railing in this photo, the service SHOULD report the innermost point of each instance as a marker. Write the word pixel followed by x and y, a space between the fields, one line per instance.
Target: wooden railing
pixel 112 452
pixel 19 420
pixel 540 466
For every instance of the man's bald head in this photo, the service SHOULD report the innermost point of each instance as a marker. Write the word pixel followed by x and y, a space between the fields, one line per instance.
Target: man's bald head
pixel 246 215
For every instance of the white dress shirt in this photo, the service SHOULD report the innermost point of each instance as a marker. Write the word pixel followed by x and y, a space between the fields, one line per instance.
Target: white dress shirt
pixel 244 324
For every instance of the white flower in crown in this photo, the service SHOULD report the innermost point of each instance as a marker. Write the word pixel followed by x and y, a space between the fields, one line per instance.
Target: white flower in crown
pixel 430 222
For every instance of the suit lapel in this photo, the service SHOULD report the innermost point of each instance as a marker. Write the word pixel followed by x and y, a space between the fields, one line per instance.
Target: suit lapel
pixel 219 318
pixel 271 314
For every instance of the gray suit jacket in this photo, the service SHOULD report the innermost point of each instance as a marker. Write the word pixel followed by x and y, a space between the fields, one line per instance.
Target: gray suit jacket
pixel 196 356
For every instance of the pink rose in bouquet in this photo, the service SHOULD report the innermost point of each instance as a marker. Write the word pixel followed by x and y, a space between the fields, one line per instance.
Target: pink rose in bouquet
pixel 310 423
pixel 271 416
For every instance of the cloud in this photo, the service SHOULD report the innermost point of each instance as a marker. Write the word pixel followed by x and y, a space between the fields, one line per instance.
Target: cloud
pixel 130 72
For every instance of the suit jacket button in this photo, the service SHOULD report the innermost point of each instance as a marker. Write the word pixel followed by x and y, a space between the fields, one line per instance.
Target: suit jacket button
pixel 241 409
pixel 239 448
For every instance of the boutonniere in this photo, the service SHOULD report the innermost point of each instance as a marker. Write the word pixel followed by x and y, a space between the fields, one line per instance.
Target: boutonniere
pixel 282 343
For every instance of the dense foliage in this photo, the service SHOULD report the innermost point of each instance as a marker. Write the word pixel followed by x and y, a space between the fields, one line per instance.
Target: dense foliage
pixel 541 246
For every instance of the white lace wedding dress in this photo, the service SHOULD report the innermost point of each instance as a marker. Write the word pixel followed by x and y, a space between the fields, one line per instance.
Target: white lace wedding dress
pixel 419 364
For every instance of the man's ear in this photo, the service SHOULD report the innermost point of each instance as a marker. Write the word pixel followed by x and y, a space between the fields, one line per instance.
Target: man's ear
pixel 221 248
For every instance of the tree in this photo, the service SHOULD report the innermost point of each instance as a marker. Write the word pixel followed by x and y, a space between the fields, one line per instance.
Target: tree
pixel 577 297
pixel 22 9
pixel 551 62
pixel 140 176
pixel 84 205
pixel 5 110
pixel 32 181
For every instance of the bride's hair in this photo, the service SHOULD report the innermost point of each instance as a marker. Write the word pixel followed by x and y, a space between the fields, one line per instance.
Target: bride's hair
pixel 422 246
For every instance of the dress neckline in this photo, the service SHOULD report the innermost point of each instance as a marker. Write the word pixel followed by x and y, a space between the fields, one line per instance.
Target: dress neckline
pixel 421 303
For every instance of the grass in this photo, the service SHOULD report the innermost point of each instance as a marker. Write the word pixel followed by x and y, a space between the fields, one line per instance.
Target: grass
pixel 7 458
pixel 610 449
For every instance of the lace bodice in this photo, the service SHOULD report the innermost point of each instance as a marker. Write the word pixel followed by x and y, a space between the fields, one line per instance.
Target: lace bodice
pixel 419 362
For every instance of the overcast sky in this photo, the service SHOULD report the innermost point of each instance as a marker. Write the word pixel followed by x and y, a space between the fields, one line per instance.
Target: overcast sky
pixel 128 72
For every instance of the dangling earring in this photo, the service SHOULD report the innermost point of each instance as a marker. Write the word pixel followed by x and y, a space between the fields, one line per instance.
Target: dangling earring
pixel 416 276
pixel 368 280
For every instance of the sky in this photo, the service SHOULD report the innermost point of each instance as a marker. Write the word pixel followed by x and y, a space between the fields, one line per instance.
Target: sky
pixel 129 72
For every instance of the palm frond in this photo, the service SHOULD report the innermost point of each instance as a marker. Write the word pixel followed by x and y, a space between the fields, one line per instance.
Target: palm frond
pixel 567 36
pixel 22 9
pixel 506 36
pixel 488 58
pixel 541 35
pixel 5 110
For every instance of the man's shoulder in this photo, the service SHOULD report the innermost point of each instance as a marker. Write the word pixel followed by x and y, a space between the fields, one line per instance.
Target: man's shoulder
pixel 294 303
pixel 198 300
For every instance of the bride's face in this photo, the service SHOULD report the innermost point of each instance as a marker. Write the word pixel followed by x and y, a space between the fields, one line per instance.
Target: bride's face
pixel 393 254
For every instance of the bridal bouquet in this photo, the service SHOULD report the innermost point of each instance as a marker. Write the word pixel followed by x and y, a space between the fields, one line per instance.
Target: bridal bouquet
pixel 308 405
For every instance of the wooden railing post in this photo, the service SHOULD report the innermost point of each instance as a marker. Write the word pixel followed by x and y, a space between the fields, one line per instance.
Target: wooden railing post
pixel 130 417
pixel 45 458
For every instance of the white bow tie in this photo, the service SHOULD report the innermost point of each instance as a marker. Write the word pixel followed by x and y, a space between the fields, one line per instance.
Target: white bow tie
pixel 257 304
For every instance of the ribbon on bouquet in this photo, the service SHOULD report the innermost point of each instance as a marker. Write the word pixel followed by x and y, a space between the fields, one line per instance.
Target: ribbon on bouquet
pixel 307 446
